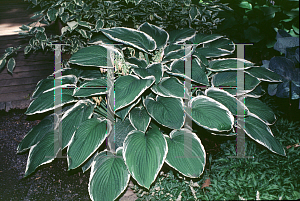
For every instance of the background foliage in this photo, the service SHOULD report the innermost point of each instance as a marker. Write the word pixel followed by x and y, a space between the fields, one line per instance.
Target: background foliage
pixel 257 21
pixel 78 20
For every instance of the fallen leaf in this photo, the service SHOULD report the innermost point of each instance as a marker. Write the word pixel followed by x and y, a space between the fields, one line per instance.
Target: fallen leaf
pixel 206 183
pixel 295 145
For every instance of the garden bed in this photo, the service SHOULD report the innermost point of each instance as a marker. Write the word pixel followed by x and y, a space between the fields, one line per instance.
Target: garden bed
pixel 53 181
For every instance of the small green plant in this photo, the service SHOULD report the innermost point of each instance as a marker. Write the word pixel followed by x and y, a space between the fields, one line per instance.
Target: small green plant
pixel 148 106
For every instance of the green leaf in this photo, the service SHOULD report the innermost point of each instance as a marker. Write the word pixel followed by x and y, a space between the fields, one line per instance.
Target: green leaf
pixel 52 14
pixel 79 2
pixel 64 17
pixel 264 74
pixel 82 33
pixel 201 38
pixel 91 88
pixel 46 85
pixel 73 117
pixel 171 47
pixel 132 37
pixel 154 69
pixel 122 113
pixel 9 50
pixel 34 2
pixel 86 140
pixel 91 74
pixel 167 111
pixel 87 165
pixel 11 64
pixel 257 92
pixel 229 79
pixel 296 29
pixel 67 71
pixel 122 128
pixel 65 29
pixel 38 132
pixel 139 118
pixel 27 49
pixel 2 63
pixel 100 38
pixel 95 55
pixel 257 130
pixel 24 28
pixel 186 153
pixel 260 109
pixel 216 48
pixel 160 36
pixel 229 64
pixel 40 29
pixel 139 63
pixel 246 5
pixel 193 13
pixel 198 71
pixel 43 152
pixel 37 14
pixel 201 58
pixel 45 102
pixel 61 11
pixel 144 155
pixel 253 34
pixel 73 25
pixel 84 24
pixel 129 88
pixel 41 36
pixel 228 100
pixel 182 35
pixel 210 114
pixel 176 54
pixel 109 177
pixel 99 24
pixel 169 87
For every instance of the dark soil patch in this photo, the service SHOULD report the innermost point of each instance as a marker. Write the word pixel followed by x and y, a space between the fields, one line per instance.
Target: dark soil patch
pixel 49 182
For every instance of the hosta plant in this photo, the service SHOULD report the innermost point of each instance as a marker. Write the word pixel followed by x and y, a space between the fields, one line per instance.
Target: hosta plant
pixel 151 106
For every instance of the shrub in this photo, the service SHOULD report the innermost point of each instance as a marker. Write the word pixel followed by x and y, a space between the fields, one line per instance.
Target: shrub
pixel 257 21
pixel 149 107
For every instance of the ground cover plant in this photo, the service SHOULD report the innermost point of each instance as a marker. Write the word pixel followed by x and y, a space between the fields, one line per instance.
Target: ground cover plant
pixel 149 106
